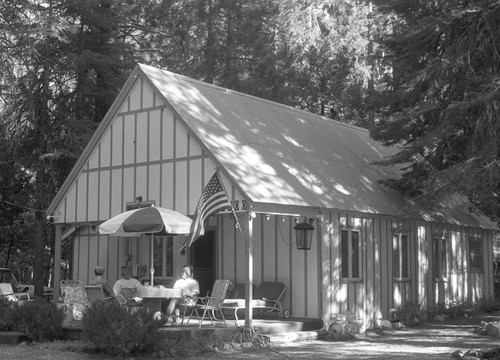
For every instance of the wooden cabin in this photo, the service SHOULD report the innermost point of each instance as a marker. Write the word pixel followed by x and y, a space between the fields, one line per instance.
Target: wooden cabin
pixel 372 250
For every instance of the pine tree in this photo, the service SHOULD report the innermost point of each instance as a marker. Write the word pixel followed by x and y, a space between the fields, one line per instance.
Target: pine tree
pixel 442 107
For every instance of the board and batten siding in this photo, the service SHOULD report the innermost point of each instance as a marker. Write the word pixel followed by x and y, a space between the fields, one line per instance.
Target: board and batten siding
pixel 276 258
pixel 144 150
pixel 376 292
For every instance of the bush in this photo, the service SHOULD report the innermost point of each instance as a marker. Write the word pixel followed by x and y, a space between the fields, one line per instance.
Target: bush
pixel 410 314
pixel 113 330
pixel 6 308
pixel 39 320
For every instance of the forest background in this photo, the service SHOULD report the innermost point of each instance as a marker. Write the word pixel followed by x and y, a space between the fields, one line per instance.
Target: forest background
pixel 419 74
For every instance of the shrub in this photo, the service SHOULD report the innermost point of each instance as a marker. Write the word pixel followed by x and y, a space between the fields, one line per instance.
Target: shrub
pixel 6 308
pixel 39 320
pixel 114 330
pixel 487 306
pixel 251 337
pixel 410 314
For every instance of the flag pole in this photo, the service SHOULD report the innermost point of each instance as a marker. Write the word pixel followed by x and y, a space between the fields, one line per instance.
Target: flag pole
pixel 237 225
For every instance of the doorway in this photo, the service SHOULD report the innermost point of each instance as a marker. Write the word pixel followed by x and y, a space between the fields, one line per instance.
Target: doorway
pixel 203 261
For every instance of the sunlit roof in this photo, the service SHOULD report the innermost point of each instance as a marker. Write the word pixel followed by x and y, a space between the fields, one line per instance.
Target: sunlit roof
pixel 281 155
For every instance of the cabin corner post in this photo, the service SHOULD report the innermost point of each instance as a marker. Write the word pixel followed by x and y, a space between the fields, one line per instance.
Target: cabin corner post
pixel 249 270
pixel 57 262
pixel 324 240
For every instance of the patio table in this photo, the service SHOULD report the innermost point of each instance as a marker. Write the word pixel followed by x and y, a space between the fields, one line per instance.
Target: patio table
pixel 152 295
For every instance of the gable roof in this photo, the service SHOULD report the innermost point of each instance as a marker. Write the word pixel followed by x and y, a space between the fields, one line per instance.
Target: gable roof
pixel 278 154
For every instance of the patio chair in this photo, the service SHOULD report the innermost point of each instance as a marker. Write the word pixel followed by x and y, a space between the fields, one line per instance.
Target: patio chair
pixel 7 291
pixel 210 305
pixel 95 293
pixel 266 297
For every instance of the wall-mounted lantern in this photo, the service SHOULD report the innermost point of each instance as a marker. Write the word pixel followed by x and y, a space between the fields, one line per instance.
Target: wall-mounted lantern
pixel 303 234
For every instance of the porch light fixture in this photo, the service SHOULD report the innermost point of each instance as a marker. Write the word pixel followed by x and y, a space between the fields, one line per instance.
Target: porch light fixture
pixel 303 234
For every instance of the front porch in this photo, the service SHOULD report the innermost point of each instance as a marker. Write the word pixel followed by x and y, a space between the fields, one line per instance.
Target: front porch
pixel 277 329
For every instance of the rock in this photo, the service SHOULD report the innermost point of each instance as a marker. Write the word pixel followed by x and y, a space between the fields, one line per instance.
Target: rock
pixel 493 329
pixel 385 325
pixel 473 354
pixel 336 329
pixel 457 354
pixel 440 317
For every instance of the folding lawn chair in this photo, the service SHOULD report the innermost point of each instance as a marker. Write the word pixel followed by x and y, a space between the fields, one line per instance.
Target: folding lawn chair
pixel 7 292
pixel 210 304
pixel 95 293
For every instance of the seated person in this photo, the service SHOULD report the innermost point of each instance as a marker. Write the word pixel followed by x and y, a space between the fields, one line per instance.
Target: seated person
pixel 190 289
pixel 126 287
pixel 100 280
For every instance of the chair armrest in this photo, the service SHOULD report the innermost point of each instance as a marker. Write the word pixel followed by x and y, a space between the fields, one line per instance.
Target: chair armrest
pixel 22 296
pixel 205 300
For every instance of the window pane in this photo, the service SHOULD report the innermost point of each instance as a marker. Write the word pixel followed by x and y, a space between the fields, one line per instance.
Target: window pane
pixel 355 254
pixel 475 254
pixel 395 256
pixel 405 261
pixel 158 256
pixel 344 248
pixel 439 256
pixel 442 255
pixel 169 271
pixel 163 256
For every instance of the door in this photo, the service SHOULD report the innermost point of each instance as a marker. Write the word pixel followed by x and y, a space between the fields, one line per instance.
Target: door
pixel 203 261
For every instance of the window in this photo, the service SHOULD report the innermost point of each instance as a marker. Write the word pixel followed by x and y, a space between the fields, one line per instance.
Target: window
pixel 351 254
pixel 439 247
pixel 400 256
pixel 163 254
pixel 475 254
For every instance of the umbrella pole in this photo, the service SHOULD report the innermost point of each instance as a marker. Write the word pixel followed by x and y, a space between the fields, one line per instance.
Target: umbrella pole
pixel 152 268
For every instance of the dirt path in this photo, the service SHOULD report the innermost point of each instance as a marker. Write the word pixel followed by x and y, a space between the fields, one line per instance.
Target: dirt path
pixel 430 341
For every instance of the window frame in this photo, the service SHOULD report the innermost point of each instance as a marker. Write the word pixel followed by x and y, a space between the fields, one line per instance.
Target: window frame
pixel 349 256
pixel 478 241
pixel 440 253
pixel 167 255
pixel 403 256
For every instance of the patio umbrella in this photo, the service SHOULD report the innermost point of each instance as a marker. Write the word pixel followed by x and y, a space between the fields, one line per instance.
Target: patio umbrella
pixel 147 220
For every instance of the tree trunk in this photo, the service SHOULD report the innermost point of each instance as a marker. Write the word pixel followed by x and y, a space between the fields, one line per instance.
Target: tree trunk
pixel 210 46
pixel 38 259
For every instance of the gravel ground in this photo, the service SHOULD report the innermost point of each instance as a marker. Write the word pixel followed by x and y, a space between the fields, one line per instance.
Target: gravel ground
pixel 430 341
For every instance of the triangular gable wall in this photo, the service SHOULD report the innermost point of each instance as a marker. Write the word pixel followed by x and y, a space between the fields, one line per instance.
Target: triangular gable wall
pixel 142 148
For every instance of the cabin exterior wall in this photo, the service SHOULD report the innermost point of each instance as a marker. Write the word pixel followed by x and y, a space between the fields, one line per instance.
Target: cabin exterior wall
pixel 378 289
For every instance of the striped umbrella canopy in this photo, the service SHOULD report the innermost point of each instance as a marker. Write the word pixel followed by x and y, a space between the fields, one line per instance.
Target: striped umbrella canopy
pixel 147 220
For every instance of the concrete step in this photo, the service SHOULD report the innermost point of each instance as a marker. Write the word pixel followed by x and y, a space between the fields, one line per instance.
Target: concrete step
pixel 297 336
pixel 291 325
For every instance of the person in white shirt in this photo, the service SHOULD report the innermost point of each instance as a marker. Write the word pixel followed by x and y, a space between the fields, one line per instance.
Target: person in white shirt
pixel 190 289
pixel 126 287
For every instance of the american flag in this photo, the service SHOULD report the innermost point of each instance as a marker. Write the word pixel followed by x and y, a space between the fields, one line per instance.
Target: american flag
pixel 213 199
